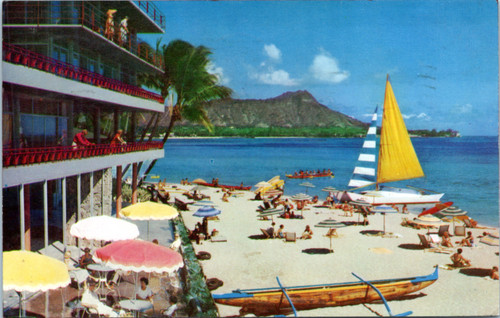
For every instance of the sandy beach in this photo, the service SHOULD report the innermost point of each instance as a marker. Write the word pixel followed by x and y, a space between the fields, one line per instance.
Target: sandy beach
pixel 248 261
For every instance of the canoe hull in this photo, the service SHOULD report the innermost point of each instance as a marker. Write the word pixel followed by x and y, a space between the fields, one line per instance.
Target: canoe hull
pixel 272 301
pixel 320 175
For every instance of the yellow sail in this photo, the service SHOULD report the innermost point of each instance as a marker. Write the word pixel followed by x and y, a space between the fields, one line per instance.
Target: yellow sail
pixel 397 158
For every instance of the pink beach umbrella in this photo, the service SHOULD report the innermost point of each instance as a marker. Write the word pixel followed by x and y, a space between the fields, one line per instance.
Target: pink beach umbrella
pixel 139 256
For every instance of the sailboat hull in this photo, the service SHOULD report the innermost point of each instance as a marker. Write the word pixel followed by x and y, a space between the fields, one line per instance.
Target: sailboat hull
pixel 391 197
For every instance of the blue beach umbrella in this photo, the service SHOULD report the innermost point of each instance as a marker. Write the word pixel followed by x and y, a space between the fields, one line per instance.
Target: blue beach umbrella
pixel 206 211
pixel 384 209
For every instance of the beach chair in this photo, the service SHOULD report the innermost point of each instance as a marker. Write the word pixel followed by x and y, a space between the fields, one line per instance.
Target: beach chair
pixel 266 233
pixel 218 238
pixel 428 246
pixel 183 206
pixel 443 228
pixel 290 237
pixel 459 230
pixel 435 238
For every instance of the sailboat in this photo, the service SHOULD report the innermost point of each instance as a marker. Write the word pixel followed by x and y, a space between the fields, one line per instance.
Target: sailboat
pixel 397 161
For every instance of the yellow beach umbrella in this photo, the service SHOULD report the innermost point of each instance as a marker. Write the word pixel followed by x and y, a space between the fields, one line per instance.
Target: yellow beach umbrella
pixel 149 211
pixel 146 211
pixel 28 271
pixel 32 272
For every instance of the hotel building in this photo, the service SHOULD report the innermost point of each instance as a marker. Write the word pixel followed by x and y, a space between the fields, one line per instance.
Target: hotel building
pixel 69 66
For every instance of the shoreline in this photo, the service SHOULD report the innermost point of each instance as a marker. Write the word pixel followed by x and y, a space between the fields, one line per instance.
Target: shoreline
pixel 247 261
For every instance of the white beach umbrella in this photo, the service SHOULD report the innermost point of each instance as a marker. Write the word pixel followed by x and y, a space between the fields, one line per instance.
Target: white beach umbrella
pixel 104 228
pixel 307 185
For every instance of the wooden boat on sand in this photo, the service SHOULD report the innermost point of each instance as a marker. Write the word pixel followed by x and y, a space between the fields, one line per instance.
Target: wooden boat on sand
pixel 271 301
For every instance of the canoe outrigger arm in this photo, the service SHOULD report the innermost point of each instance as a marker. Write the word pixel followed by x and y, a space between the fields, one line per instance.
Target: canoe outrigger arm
pixel 381 297
pixel 287 297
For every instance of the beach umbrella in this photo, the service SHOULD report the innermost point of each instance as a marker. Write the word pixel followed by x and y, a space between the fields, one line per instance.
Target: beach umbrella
pixel 428 221
pixel 104 228
pixel 329 189
pixel 207 211
pixel 146 211
pixel 204 203
pixel 271 212
pixel 490 239
pixel 198 181
pixel 307 185
pixel 451 211
pixel 139 256
pixel 32 272
pixel 438 207
pixel 331 224
pixel 300 197
pixel 383 209
pixel 198 188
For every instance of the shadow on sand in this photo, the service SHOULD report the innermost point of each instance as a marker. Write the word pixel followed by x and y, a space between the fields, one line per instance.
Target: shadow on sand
pixel 317 251
pixel 410 246
pixel 478 272
pixel 257 237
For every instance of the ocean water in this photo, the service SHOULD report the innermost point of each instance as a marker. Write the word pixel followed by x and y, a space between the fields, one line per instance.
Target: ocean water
pixel 465 169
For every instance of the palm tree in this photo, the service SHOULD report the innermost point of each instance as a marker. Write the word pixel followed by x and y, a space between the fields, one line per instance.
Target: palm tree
pixel 185 72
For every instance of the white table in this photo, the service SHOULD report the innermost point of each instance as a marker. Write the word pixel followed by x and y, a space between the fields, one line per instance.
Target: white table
pixel 135 305
pixel 102 271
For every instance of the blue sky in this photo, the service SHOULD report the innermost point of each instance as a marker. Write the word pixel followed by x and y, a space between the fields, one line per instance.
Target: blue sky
pixel 442 56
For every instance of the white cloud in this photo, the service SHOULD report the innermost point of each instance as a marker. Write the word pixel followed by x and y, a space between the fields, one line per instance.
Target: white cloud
pixel 275 77
pixel 423 116
pixel 272 52
pixel 325 68
pixel 219 72
pixel 462 109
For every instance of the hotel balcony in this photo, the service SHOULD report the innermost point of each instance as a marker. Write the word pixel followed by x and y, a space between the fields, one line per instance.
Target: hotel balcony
pixel 84 21
pixel 30 165
pixel 27 68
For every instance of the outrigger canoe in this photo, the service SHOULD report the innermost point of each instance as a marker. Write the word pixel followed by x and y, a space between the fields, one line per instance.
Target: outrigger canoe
pixel 272 301
pixel 305 176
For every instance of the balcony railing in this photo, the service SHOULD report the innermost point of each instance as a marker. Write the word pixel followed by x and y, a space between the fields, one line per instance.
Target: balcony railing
pixel 153 12
pixel 18 55
pixel 86 14
pixel 28 156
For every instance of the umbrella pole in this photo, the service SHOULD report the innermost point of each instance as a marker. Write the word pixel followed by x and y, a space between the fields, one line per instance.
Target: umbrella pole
pixel 22 312
pixel 384 222
pixel 148 230
pixel 331 248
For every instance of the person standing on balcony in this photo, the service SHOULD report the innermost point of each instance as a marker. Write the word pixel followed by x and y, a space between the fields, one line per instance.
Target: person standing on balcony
pixel 124 31
pixel 80 140
pixel 117 139
pixel 109 32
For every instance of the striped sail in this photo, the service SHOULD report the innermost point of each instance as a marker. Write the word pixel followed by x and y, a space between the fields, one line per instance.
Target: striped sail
pixel 365 169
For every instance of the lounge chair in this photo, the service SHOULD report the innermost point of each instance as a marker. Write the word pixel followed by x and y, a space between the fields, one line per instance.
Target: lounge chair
pixel 290 237
pixel 218 238
pixel 428 246
pixel 459 230
pixel 266 233
pixel 181 205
